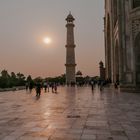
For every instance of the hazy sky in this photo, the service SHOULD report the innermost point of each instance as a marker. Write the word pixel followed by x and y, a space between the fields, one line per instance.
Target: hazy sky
pixel 24 24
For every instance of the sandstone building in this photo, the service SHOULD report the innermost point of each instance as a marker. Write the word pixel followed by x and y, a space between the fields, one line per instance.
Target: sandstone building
pixel 122 43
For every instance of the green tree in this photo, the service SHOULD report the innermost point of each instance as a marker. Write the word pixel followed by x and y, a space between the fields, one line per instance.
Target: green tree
pixel 20 79
pixel 13 79
pixel 29 79
pixel 4 79
pixel 38 79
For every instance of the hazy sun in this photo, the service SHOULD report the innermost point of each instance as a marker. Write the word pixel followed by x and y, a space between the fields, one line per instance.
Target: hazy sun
pixel 47 40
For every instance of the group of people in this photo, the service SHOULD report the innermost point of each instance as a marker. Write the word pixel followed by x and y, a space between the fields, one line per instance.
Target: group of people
pixel 99 83
pixel 39 86
pixel 53 86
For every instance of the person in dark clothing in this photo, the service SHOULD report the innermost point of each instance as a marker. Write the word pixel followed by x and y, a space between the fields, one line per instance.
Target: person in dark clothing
pixel 38 89
pixel 27 86
pixel 55 88
pixel 52 86
pixel 92 85
pixel 30 86
pixel 48 85
pixel 45 86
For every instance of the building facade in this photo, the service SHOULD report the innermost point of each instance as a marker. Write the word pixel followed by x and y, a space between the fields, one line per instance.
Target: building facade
pixel 70 51
pixel 122 43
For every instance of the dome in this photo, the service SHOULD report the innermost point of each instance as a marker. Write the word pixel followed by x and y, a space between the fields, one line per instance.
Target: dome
pixel 79 73
pixel 70 17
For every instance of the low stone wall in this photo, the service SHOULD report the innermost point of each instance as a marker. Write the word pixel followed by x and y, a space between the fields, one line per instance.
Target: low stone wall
pixel 12 89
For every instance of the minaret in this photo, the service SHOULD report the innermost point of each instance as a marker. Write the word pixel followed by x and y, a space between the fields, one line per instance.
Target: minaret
pixel 70 53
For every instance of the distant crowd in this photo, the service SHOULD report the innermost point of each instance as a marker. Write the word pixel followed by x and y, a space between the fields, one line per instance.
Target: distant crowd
pixel 52 86
pixel 42 85
pixel 10 80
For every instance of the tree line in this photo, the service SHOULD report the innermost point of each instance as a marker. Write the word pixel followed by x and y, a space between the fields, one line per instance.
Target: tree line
pixel 18 79
pixel 9 80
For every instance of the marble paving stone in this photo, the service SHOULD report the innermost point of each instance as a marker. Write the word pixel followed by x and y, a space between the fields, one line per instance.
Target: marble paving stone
pixel 75 113
pixel 88 137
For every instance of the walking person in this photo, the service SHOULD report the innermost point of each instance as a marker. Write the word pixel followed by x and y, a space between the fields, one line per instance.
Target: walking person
pixel 45 86
pixel 55 88
pixel 52 86
pixel 27 86
pixel 30 86
pixel 92 85
pixel 38 89
pixel 101 85
pixel 48 85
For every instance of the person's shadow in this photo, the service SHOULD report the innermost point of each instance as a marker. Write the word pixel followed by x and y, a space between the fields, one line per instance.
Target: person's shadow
pixel 37 97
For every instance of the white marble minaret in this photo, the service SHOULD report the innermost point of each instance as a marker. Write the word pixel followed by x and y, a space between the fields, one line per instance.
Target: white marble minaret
pixel 70 52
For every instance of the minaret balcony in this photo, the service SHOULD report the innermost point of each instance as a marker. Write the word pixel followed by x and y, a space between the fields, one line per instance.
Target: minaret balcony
pixel 70 24
pixel 70 46
pixel 70 65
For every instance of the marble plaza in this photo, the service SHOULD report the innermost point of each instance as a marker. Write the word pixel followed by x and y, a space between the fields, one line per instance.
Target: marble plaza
pixel 71 114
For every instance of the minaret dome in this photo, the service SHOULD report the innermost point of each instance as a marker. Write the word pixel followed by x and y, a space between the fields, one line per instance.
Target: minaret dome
pixel 70 18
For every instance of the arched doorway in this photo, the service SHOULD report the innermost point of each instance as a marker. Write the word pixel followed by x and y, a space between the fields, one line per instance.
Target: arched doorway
pixel 116 63
pixel 137 58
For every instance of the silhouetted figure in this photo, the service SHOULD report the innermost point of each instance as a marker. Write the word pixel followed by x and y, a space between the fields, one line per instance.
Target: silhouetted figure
pixel 26 86
pixel 55 88
pixel 116 84
pixel 72 84
pixel 101 85
pixel 45 86
pixel 92 85
pixel 48 86
pixel 38 89
pixel 52 86
pixel 30 86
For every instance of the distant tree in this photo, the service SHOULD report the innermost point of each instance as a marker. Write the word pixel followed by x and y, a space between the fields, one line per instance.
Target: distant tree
pixel 13 75
pixel 29 79
pixel 59 79
pixel 13 79
pixel 87 79
pixel 5 74
pixel 63 79
pixel 8 81
pixel 38 79
pixel 4 79
pixel 20 79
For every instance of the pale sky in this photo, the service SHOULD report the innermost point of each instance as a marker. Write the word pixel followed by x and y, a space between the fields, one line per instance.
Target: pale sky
pixel 25 23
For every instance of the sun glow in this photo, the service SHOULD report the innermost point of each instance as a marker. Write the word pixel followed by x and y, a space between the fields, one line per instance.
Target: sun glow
pixel 47 40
